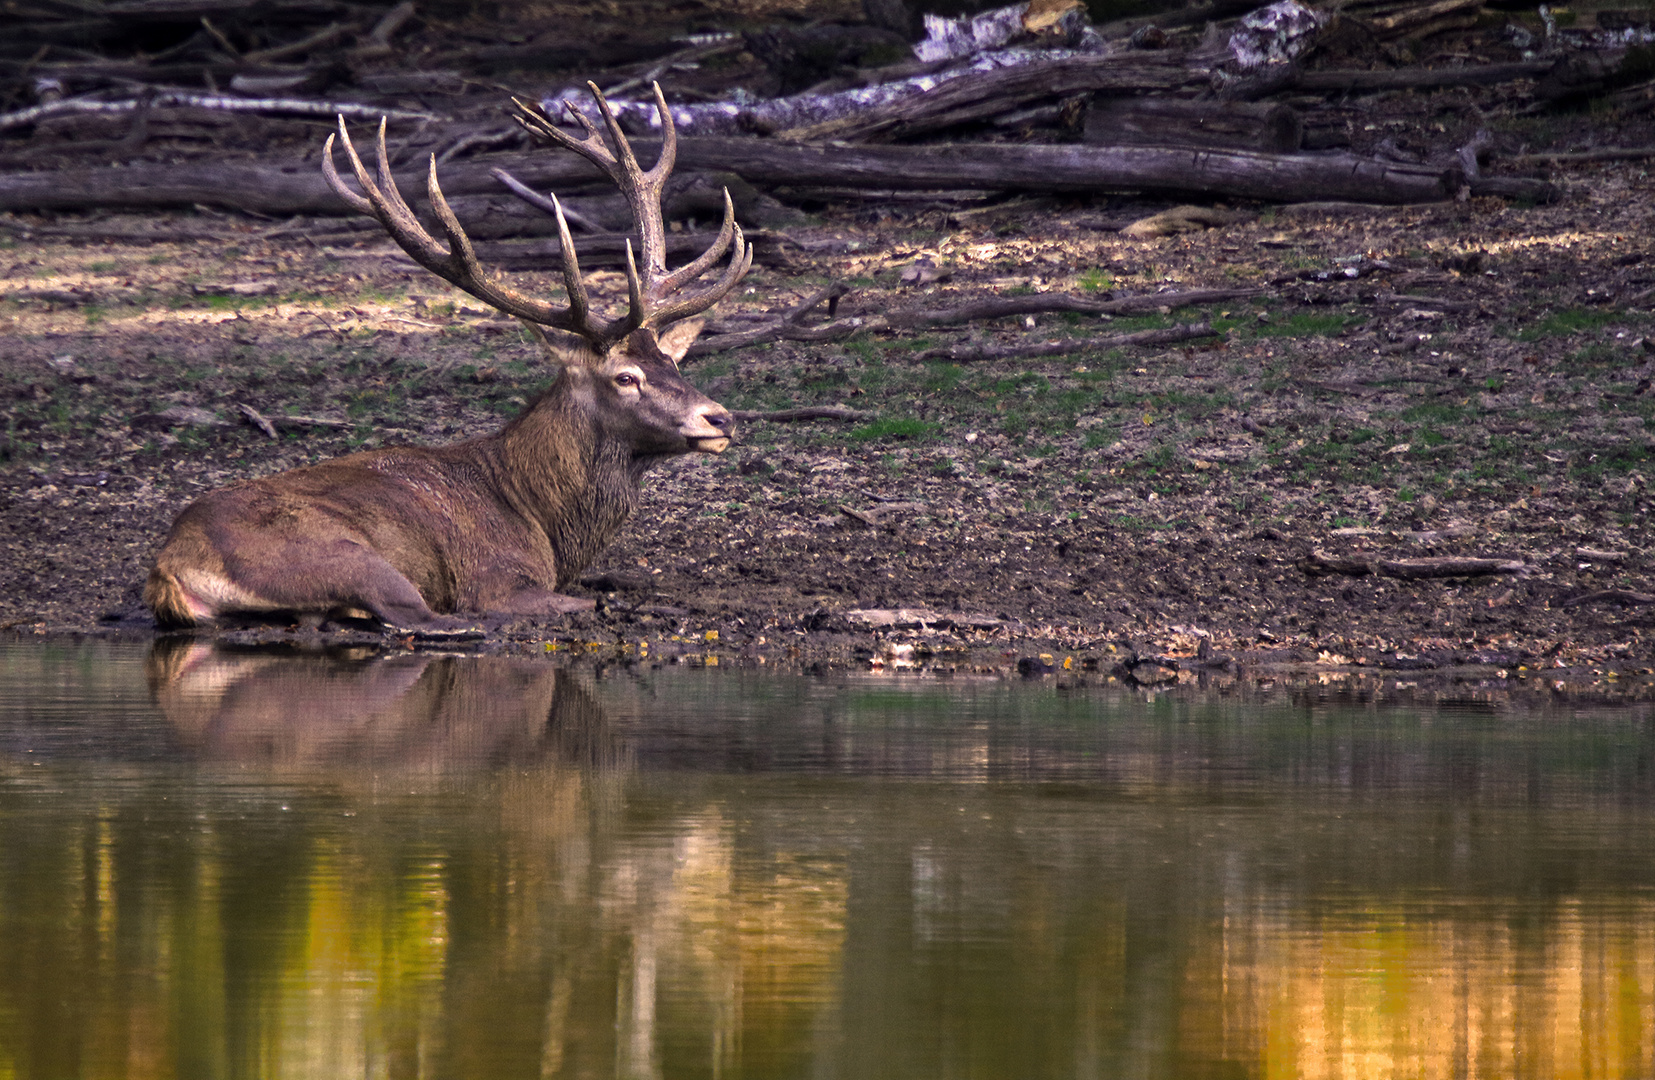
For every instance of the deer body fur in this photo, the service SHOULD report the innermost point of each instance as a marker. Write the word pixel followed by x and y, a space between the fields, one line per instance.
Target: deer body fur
pixel 429 539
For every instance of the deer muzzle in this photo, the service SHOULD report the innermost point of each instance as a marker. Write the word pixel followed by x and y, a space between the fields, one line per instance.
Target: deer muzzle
pixel 712 434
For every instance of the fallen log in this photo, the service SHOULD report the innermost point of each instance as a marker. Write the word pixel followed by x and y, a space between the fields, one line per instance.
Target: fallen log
pixel 982 95
pixel 1241 125
pixel 1415 16
pixel 1069 168
pixel 1343 81
pixel 299 188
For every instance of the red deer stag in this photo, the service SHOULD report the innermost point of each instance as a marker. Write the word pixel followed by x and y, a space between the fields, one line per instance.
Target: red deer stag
pixel 430 540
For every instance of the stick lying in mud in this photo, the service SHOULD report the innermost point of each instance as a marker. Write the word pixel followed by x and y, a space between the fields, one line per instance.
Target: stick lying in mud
pixel 1625 597
pixel 1319 564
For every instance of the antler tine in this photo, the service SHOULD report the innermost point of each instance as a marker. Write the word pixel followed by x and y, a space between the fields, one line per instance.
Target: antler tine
pixel 393 214
pixel 741 260
pixel 336 182
pixel 458 264
pixel 643 189
pixel 580 304
pixel 669 138
pixel 721 243
pixel 533 118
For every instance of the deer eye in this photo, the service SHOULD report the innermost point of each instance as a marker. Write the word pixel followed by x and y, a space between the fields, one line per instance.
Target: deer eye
pixel 625 379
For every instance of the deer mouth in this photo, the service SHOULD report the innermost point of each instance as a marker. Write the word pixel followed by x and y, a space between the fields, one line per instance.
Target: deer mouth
pixel 712 444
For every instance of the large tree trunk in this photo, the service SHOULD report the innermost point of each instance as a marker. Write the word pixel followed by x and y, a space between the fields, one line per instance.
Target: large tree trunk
pixel 1230 173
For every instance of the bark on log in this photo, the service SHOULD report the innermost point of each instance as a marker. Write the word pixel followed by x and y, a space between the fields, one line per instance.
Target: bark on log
pixel 1275 177
pixel 299 189
pixel 992 93
pixel 1421 78
pixel 1240 125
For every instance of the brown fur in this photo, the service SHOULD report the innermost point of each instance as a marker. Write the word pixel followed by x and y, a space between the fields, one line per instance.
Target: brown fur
pixel 429 539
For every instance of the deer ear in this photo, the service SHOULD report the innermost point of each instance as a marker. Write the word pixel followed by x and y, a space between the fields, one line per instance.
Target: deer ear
pixel 676 339
pixel 564 350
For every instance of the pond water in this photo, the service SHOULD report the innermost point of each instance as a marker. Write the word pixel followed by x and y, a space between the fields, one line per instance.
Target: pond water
pixel 226 864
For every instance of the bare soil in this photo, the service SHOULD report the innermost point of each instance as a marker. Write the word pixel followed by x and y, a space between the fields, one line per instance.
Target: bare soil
pixel 1486 392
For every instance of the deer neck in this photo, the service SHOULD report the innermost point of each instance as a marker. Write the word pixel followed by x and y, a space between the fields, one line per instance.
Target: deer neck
pixel 561 469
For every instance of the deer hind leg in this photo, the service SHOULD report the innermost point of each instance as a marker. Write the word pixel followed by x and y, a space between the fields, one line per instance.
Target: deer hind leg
pixel 343 577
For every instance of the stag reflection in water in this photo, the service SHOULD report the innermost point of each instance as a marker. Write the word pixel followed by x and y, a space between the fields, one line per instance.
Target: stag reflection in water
pixel 353 708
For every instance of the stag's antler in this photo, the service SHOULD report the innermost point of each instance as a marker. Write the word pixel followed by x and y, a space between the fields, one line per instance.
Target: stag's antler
pixel 650 307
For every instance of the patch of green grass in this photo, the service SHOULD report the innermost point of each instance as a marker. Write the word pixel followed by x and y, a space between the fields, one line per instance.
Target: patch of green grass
pixel 1569 321
pixel 1099 437
pixel 941 377
pixel 1434 412
pixel 1598 355
pixel 895 427
pixel 1616 459
pixel 1132 521
pixel 102 266
pixel 1096 280
pixel 1158 461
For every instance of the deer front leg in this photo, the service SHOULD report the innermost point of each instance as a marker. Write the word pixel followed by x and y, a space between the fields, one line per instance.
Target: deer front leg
pixel 540 602
pixel 515 589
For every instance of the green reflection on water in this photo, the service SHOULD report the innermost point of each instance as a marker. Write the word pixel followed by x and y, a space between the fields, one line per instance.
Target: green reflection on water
pixel 219 864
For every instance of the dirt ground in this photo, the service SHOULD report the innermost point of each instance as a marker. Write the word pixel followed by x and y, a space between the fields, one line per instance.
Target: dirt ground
pixel 1483 390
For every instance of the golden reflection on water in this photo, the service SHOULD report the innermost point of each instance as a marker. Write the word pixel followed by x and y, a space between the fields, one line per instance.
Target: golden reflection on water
pixel 1449 994
pixel 457 866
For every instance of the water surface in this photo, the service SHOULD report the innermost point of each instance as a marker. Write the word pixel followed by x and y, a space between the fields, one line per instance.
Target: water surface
pixel 241 864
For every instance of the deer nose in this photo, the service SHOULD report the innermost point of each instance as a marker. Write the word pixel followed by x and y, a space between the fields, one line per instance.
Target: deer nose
pixel 719 417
